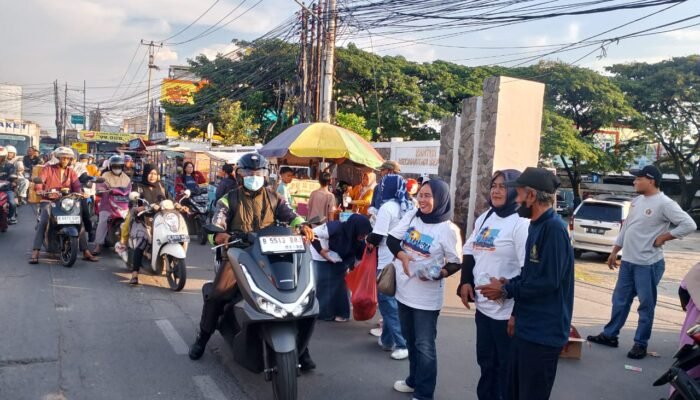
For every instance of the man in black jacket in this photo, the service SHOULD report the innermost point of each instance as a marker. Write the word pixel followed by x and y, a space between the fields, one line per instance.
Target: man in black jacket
pixel 543 292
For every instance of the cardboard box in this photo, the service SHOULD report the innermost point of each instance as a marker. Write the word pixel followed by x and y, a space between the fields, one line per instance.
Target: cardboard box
pixel 574 348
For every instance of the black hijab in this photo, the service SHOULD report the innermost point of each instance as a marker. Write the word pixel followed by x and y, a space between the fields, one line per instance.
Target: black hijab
pixel 442 205
pixel 510 206
pixel 343 235
pixel 146 171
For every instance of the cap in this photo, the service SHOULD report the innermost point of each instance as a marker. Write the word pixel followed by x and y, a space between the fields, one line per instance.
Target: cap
pixel 537 178
pixel 392 165
pixel 649 171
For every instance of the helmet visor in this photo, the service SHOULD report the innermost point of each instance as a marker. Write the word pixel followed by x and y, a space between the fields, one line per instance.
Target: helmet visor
pixel 252 172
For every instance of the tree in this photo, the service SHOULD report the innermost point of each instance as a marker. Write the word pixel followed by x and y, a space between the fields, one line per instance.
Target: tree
pixel 589 101
pixel 667 97
pixel 234 125
pixel 354 123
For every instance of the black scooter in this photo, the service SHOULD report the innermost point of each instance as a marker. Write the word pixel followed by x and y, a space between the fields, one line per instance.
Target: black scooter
pixel 197 202
pixel 271 319
pixel 686 388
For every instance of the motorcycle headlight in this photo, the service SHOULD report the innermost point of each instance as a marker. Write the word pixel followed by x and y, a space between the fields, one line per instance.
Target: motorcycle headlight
pixel 298 310
pixel 67 204
pixel 268 307
pixel 173 221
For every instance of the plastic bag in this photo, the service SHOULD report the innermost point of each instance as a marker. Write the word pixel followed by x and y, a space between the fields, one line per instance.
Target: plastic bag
pixel 362 282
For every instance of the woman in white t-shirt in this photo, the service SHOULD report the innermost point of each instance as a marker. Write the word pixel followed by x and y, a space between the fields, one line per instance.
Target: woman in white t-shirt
pixel 392 202
pixel 495 249
pixel 428 248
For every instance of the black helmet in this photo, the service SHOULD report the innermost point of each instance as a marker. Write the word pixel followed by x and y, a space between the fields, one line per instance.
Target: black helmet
pixel 252 161
pixel 84 156
pixel 116 161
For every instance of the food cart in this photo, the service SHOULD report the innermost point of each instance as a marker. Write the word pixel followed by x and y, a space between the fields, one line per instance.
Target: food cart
pixel 169 160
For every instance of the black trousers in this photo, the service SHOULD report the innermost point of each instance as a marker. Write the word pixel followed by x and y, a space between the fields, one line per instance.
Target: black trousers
pixel 532 370
pixel 492 353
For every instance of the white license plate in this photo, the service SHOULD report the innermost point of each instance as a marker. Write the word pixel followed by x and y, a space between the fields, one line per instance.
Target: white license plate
pixel 178 238
pixel 281 244
pixel 68 219
pixel 596 231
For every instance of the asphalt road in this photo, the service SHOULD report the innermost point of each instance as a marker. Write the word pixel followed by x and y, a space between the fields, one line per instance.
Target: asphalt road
pixel 84 333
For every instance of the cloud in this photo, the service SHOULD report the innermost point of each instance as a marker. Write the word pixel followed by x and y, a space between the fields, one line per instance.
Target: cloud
pixel 165 55
pixel 211 51
pixel 685 35
pixel 573 32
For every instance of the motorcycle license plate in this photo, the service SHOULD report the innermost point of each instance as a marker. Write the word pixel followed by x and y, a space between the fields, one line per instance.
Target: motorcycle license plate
pixel 178 238
pixel 282 244
pixel 68 220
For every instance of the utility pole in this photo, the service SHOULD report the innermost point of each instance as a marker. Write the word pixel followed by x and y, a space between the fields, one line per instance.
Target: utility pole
pixel 317 71
pixel 303 67
pixel 329 58
pixel 58 116
pixel 65 113
pixel 151 66
pixel 84 108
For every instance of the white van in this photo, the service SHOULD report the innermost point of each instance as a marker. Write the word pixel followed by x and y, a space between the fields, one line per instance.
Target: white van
pixel 596 223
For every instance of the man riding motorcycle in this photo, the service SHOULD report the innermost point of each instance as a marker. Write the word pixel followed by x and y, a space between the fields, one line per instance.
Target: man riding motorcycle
pixel 57 176
pixel 7 168
pixel 31 159
pixel 22 182
pixel 114 178
pixel 249 208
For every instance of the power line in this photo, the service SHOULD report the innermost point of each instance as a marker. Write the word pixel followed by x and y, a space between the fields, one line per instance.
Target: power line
pixel 192 23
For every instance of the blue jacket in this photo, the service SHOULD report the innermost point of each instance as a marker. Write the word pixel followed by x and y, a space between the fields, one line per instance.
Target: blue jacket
pixel 544 290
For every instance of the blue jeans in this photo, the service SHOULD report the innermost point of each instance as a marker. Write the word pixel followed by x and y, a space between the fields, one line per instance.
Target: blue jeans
pixel 492 352
pixel 391 330
pixel 640 281
pixel 12 210
pixel 331 291
pixel 419 327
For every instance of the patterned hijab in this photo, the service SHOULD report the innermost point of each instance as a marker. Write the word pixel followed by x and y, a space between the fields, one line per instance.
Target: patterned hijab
pixel 393 187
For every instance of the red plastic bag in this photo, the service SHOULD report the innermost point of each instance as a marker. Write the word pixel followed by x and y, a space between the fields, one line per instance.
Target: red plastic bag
pixel 362 282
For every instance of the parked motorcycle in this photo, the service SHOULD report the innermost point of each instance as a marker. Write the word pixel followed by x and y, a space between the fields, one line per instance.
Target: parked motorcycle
pixel 688 357
pixel 118 207
pixel 271 319
pixel 65 224
pixel 198 212
pixel 162 232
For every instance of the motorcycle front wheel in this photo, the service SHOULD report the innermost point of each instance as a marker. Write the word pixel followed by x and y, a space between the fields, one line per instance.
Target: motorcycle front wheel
pixel 284 375
pixel 176 272
pixel 69 250
pixel 201 233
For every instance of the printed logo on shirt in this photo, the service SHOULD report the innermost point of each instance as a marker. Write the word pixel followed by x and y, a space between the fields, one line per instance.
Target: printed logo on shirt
pixel 534 257
pixel 648 212
pixel 486 239
pixel 417 242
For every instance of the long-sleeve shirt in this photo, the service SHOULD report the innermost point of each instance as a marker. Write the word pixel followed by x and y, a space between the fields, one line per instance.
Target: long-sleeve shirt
pixel 649 218
pixel 226 185
pixel 544 290
pixel 53 177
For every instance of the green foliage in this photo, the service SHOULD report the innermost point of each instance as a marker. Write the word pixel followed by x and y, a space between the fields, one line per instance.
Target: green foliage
pixel 354 123
pixel 234 125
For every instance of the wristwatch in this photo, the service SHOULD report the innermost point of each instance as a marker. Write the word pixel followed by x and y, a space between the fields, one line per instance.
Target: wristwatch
pixel 504 292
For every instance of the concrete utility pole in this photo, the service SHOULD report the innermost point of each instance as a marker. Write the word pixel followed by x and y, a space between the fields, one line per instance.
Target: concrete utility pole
pixel 58 115
pixel 329 58
pixel 65 113
pixel 84 108
pixel 151 66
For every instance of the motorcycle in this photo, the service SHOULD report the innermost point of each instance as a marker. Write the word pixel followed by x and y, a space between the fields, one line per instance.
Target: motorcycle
pixel 198 212
pixel 65 224
pixel 688 357
pixel 271 319
pixel 164 240
pixel 5 186
pixel 118 207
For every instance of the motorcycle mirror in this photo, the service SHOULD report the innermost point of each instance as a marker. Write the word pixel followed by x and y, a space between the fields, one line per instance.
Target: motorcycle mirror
pixel 37 180
pixel 188 193
pixel 211 228
pixel 317 220
pixel 133 196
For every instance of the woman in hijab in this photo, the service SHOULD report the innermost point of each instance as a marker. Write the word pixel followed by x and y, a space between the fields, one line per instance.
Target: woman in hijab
pixel 392 203
pixel 428 248
pixel 336 247
pixel 496 248
pixel 362 194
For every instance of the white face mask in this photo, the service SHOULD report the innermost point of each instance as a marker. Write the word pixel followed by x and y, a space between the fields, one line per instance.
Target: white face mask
pixel 253 183
pixel 117 171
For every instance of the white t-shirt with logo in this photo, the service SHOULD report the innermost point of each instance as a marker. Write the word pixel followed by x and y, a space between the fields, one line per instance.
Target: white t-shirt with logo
pixel 428 244
pixel 387 218
pixel 498 247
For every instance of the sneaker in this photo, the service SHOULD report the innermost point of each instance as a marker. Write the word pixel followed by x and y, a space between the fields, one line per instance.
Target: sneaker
pixel 399 354
pixel 381 344
pixel 638 352
pixel 401 386
pixel 12 221
pixel 604 340
pixel 377 332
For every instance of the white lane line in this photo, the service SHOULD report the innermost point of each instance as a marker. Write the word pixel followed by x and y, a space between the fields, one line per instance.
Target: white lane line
pixel 174 338
pixel 208 388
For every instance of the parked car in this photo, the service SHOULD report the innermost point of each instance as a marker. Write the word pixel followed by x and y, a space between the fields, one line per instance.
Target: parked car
pixel 596 222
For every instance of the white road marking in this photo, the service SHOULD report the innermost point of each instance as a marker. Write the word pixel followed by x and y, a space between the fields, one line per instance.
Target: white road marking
pixel 174 338
pixel 208 388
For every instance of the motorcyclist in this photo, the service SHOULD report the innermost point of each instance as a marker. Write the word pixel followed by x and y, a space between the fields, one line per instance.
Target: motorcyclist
pixel 7 169
pixel 22 182
pixel 56 176
pixel 249 208
pixel 129 167
pixel 114 178
pixel 31 159
pixel 84 175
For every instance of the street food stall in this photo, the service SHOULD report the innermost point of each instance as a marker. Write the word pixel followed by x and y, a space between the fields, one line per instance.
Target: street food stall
pixel 169 160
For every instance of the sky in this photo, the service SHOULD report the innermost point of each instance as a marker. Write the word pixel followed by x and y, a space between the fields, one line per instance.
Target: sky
pixel 95 41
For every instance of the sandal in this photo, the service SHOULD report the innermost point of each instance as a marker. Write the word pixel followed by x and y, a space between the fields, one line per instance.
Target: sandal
pixel 34 259
pixel 134 281
pixel 90 258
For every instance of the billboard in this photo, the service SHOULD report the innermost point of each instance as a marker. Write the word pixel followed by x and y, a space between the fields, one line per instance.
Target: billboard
pixel 94 136
pixel 177 91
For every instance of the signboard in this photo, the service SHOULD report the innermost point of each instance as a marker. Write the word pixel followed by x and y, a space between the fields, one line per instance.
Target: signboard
pixel 18 138
pixel 94 136
pixel 418 160
pixel 77 119
pixel 80 147
pixel 178 92
pixel 137 145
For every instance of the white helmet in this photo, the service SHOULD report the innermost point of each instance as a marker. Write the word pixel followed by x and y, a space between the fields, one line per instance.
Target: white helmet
pixel 11 149
pixel 3 151
pixel 63 152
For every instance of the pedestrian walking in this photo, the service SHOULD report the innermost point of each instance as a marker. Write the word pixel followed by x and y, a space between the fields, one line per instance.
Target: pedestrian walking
pixel 543 292
pixel 643 234
pixel 496 248
pixel 394 205
pixel 428 248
